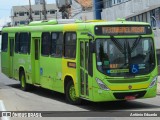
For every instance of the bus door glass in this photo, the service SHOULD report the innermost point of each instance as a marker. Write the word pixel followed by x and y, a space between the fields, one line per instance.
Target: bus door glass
pixel 11 54
pixel 84 55
pixel 36 63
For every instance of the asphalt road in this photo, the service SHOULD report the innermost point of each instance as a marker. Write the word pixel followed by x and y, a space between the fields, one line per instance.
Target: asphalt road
pixel 14 99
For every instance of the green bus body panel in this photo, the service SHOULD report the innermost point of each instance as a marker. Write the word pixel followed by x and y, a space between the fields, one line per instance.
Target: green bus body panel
pixel 5 63
pixel 50 72
pixel 23 61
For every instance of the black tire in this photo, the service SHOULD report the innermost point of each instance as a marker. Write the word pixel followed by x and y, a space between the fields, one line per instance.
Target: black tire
pixel 24 85
pixel 69 99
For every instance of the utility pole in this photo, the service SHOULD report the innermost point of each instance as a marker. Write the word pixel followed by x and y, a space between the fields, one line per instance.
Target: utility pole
pixel 12 17
pixel 44 10
pixel 30 11
pixel 65 8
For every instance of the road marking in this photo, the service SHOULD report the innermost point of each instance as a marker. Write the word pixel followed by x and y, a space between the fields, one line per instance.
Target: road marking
pixel 2 108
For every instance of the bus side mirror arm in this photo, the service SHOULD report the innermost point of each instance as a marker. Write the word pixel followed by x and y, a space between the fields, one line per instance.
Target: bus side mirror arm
pixel 91 35
pixel 92 47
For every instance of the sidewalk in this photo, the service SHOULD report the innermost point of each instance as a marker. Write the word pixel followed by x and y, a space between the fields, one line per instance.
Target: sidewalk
pixel 158 86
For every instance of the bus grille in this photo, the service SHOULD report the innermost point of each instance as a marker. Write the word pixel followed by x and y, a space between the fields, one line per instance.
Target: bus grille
pixel 138 94
pixel 125 80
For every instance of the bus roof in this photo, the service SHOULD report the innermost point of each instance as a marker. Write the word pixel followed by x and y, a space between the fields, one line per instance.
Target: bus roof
pixel 41 25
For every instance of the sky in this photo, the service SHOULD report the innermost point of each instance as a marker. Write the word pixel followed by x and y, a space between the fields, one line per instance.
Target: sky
pixel 6 5
pixel 5 10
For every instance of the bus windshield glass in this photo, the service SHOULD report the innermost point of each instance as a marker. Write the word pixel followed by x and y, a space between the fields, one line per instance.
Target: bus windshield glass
pixel 125 57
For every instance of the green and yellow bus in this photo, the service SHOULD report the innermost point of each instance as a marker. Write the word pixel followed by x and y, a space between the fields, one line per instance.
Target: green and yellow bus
pixel 92 60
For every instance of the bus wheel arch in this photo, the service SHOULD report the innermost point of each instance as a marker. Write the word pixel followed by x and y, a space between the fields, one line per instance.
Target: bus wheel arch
pixel 22 79
pixel 69 90
pixel 21 69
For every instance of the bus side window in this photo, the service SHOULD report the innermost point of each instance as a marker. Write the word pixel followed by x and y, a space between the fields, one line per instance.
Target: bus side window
pixel 46 44
pixel 24 44
pixel 70 45
pixel 57 44
pixel 4 42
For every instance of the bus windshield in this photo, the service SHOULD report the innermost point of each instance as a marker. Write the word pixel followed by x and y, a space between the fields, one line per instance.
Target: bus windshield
pixel 125 57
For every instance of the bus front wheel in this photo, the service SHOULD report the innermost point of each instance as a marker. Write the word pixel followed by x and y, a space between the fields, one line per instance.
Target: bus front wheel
pixel 71 94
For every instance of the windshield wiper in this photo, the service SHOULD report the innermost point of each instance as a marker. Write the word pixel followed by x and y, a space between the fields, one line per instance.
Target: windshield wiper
pixel 136 42
pixel 118 45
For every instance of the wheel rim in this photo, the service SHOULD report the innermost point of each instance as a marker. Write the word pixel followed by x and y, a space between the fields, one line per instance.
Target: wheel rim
pixel 72 93
pixel 23 82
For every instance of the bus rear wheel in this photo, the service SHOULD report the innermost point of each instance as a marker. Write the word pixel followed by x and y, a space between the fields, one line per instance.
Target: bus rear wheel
pixel 24 85
pixel 71 94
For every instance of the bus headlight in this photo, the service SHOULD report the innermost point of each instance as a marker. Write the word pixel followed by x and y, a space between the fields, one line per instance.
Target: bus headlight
pixel 101 84
pixel 154 81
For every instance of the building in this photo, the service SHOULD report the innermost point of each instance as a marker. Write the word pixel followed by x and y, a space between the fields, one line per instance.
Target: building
pixel 135 10
pixel 82 9
pixel 39 2
pixel 21 14
pixel 77 9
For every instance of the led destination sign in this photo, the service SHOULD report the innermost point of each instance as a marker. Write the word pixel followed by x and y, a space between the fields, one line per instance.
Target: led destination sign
pixel 122 30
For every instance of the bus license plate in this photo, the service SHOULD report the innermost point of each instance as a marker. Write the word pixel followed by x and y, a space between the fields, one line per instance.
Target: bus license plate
pixel 130 97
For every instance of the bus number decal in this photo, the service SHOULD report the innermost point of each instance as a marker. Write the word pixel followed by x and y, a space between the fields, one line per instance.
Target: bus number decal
pixel 118 71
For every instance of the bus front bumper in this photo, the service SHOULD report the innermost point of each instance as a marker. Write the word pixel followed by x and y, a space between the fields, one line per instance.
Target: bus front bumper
pixel 100 95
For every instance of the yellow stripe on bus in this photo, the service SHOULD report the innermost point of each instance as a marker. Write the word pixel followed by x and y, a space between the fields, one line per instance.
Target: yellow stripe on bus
pixel 129 86
pixel 70 27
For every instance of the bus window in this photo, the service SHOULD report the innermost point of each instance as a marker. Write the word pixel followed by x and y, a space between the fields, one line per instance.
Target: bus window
pixel 81 54
pixel 111 49
pixel 4 42
pixel 70 45
pixel 57 44
pixel 46 43
pixel 145 45
pixel 17 43
pixel 24 45
pixel 86 54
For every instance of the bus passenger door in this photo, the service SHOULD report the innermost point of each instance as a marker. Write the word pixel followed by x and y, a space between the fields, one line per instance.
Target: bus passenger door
pixel 36 60
pixel 11 54
pixel 84 55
